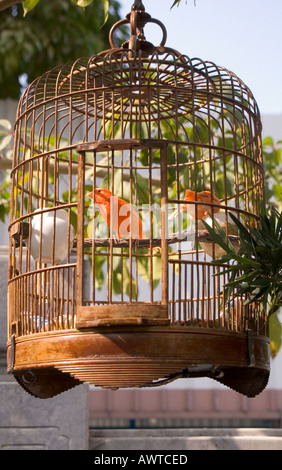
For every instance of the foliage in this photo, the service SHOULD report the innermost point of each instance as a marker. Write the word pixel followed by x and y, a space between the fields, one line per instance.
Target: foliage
pixel 272 158
pixel 275 334
pixel 6 136
pixel 28 5
pixel 177 2
pixel 48 36
pixel 256 270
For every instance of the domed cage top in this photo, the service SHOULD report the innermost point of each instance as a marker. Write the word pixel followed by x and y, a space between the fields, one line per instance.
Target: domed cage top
pixel 118 159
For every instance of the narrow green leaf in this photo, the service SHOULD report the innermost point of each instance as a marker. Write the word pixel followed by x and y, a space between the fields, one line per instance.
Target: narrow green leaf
pixel 217 237
pixel 29 5
pixel 176 2
pixel 223 259
pixel 279 228
pixel 260 237
pixel 257 294
pixel 106 5
pixel 243 262
pixel 244 233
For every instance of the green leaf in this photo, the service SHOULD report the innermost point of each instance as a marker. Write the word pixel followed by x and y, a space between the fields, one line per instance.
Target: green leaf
pixel 243 262
pixel 6 134
pixel 277 191
pixel 6 124
pixel 218 237
pixel 4 141
pixel 257 294
pixel 29 5
pixel 82 3
pixel 157 270
pixel 244 233
pixel 176 2
pixel 106 5
pixel 268 141
pixel 275 334
pixel 142 188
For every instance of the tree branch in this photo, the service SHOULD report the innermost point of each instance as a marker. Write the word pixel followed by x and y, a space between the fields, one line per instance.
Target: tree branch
pixel 4 4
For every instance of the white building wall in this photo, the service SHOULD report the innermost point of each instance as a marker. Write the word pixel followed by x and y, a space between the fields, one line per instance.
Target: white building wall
pixel 272 126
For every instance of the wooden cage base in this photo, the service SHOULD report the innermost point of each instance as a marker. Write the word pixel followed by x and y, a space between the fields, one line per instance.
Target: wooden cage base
pixel 122 357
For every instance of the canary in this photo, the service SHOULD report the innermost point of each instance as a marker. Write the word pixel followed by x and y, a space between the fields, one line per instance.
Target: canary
pixel 207 200
pixel 207 212
pixel 122 217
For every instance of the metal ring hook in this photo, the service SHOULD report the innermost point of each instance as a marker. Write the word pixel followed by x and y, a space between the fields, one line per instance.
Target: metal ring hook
pixel 163 28
pixel 136 30
pixel 133 23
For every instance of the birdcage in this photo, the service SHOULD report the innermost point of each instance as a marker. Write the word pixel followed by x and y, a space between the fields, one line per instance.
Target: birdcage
pixel 118 159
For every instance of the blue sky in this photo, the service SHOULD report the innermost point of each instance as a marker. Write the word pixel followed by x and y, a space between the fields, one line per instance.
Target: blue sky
pixel 244 36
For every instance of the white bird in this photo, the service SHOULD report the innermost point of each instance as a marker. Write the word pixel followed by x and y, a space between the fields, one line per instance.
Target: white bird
pixel 227 224
pixel 43 226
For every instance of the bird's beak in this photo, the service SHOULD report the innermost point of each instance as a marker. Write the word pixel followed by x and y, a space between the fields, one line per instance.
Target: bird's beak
pixel 90 195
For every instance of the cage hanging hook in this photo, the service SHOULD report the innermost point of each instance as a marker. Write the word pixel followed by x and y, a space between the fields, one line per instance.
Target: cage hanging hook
pixel 138 5
pixel 137 19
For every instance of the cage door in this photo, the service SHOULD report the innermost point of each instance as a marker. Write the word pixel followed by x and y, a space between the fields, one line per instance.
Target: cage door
pixel 122 183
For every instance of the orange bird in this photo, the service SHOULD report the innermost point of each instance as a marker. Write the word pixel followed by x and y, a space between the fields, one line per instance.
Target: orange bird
pixel 203 209
pixel 122 217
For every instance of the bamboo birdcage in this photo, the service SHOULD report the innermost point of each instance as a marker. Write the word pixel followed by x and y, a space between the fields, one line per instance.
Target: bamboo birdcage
pixel 90 302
